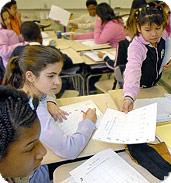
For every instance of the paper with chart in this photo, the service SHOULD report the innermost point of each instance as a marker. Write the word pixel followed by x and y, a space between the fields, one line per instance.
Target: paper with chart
pixel 94 55
pixel 70 125
pixel 106 167
pixel 167 56
pixel 163 107
pixel 57 13
pixel 138 126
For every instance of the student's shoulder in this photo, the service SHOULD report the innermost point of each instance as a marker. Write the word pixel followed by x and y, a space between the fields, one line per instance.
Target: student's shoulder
pixel 17 51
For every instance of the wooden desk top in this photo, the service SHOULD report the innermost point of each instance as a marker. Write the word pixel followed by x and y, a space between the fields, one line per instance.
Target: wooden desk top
pixel 156 91
pixel 103 101
pixel 75 56
pixel 81 47
pixel 62 172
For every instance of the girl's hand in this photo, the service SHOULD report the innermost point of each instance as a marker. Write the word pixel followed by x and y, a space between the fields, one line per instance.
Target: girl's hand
pixel 56 112
pixel 166 67
pixel 73 25
pixel 100 54
pixel 57 22
pixel 73 36
pixel 127 106
pixel 91 115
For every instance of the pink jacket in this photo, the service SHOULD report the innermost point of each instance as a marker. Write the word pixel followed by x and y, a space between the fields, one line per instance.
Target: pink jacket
pixel 112 32
pixel 8 41
pixel 137 53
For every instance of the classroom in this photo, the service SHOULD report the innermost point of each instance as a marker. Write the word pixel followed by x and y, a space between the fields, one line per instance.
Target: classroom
pixel 85 91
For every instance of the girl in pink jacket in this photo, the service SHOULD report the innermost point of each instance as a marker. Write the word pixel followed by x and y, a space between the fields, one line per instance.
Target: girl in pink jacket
pixel 108 29
pixel 8 38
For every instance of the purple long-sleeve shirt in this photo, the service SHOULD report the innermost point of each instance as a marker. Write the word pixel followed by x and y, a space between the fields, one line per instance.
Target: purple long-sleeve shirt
pixel 111 32
pixel 8 42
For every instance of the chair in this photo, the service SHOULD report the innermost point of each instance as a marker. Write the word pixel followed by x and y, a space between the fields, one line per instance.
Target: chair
pixel 104 85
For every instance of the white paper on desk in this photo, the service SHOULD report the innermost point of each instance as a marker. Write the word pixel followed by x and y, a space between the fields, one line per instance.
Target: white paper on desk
pixel 70 125
pixel 138 126
pixel 167 56
pixel 90 43
pixel 69 180
pixel 57 13
pixel 94 55
pixel 44 35
pixel 163 107
pixel 106 167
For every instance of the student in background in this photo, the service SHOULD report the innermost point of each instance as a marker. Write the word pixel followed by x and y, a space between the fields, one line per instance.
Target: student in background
pixel 21 152
pixel 15 16
pixel 8 38
pixel 86 22
pixel 36 72
pixel 145 53
pixel 109 28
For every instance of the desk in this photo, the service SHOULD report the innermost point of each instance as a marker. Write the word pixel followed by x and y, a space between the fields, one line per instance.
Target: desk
pixel 102 101
pixel 62 172
pixel 155 91
pixel 81 47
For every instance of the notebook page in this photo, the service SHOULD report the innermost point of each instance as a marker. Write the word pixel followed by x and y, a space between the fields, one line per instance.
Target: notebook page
pixel 106 167
pixel 70 125
pixel 138 126
pixel 163 107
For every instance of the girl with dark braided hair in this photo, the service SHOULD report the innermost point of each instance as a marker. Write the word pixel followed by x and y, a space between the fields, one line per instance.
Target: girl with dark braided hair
pixel 36 72
pixel 21 152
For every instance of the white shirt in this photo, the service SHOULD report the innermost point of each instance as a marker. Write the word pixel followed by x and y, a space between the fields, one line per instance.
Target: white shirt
pixel 85 22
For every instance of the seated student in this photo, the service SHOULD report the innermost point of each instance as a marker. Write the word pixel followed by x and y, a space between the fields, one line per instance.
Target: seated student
pixel 21 152
pixel 145 52
pixel 15 16
pixel 109 28
pixel 36 72
pixel 86 22
pixel 8 39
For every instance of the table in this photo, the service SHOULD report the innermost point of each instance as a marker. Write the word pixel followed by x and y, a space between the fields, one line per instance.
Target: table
pixel 153 92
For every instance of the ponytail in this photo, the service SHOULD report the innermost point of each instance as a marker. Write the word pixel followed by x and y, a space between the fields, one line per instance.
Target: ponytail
pixel 13 74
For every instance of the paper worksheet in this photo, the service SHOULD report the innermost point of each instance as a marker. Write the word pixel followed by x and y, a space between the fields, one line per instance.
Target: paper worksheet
pixel 94 55
pixel 70 125
pixel 69 180
pixel 57 13
pixel 163 107
pixel 106 167
pixel 138 126
pixel 90 43
pixel 167 56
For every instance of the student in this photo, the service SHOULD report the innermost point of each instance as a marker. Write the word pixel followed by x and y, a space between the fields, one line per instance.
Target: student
pixel 108 29
pixel 145 53
pixel 36 72
pixel 15 16
pixel 8 39
pixel 21 152
pixel 86 22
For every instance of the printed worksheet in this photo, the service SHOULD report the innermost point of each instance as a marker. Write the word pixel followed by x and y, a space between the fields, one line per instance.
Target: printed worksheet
pixel 106 167
pixel 138 126
pixel 163 107
pixel 75 111
pixel 69 180
pixel 90 42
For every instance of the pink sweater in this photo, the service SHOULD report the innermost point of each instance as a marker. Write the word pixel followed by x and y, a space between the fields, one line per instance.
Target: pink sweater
pixel 111 32
pixel 8 41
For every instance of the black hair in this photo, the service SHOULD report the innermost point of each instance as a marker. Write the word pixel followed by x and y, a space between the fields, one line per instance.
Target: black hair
pixel 30 31
pixel 105 12
pixel 152 12
pixel 33 58
pixel 9 4
pixel 3 10
pixel 15 113
pixel 138 3
pixel 91 2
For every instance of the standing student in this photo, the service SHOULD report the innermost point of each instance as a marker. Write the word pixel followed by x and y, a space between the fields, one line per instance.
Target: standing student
pixel 15 16
pixel 21 152
pixel 36 72
pixel 8 38
pixel 86 22
pixel 145 53
pixel 109 28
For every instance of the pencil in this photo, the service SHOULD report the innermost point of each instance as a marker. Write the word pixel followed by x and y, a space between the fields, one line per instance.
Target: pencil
pixel 83 112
